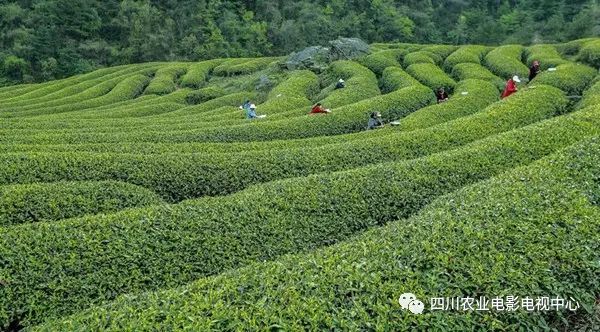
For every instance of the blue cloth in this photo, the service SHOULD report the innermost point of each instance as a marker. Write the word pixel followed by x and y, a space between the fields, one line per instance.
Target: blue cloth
pixel 250 113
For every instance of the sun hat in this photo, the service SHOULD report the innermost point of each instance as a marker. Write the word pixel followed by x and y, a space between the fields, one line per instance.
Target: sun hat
pixel 341 80
pixel 252 106
pixel 516 79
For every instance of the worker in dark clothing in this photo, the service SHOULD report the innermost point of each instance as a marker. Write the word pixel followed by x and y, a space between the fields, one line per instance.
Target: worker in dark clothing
pixel 340 84
pixel 441 95
pixel 375 121
pixel 534 70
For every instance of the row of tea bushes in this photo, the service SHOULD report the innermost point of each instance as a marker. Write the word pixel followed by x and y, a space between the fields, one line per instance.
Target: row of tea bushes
pixel 165 78
pixel 361 83
pixel 547 55
pixel 465 71
pixel 180 176
pixel 165 247
pixel 431 76
pixel 505 61
pixel 198 73
pixel 512 235
pixel 61 200
pixel 466 54
pixel 379 61
pixel 470 96
pixel 571 78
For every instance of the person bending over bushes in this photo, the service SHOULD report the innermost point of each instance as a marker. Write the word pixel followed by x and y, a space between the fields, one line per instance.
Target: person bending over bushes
pixel 318 108
pixel 442 95
pixel 340 84
pixel 251 113
pixel 534 70
pixel 511 86
pixel 375 121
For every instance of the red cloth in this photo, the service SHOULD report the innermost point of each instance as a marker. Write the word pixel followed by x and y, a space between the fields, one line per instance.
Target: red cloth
pixel 318 109
pixel 511 88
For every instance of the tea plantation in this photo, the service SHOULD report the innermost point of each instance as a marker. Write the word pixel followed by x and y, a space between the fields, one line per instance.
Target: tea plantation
pixel 141 198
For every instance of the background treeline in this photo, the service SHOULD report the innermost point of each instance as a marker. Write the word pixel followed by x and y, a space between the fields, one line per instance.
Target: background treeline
pixel 48 39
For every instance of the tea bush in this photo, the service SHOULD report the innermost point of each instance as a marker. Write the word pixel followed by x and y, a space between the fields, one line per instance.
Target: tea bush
pixel 431 76
pixel 421 57
pixel 465 54
pixel 505 61
pixel 513 234
pixel 209 236
pixel 61 200
pixel 164 81
pixel 547 55
pixel 590 53
pixel 571 78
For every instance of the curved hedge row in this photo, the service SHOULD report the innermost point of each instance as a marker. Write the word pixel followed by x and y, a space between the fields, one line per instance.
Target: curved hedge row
pixel 421 57
pixel 590 53
pixel 591 96
pixel 361 83
pixel 431 76
pixel 571 78
pixel 394 78
pixel 346 119
pixel 242 66
pixel 505 61
pixel 527 233
pixel 78 93
pixel 176 177
pixel 442 51
pixel 164 80
pixel 465 71
pixel 54 94
pixel 378 62
pixel 547 55
pixel 198 73
pixel 34 91
pixel 479 95
pixel 203 95
pixel 126 89
pixel 465 54
pixel 54 201
pixel 259 224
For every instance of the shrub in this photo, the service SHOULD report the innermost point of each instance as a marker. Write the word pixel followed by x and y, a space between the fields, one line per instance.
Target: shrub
pixel 591 96
pixel 480 95
pixel 204 95
pixel 590 53
pixel 361 84
pixel 177 177
pixel 421 57
pixel 243 66
pixel 465 71
pixel 378 62
pixel 394 78
pixel 198 73
pixel 465 54
pixel 571 78
pixel 442 51
pixel 79 92
pixel 547 55
pixel 572 48
pixel 54 201
pixel 505 61
pixel 118 90
pixel 431 76
pixel 522 225
pixel 259 224
pixel 164 80
pixel 234 99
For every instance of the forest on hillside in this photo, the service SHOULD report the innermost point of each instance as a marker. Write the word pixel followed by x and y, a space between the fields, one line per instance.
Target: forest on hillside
pixel 48 39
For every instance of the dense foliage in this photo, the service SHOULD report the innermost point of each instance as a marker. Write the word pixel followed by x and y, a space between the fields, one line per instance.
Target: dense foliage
pixel 47 39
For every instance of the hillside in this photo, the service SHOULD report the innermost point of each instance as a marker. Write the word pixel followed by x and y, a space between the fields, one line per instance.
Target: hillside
pixel 139 197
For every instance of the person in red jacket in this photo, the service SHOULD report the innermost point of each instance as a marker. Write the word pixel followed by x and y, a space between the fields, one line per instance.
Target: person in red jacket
pixel 511 86
pixel 318 108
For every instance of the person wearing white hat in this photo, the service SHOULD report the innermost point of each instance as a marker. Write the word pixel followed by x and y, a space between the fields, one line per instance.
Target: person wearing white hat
pixel 251 113
pixel 511 86
pixel 340 84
